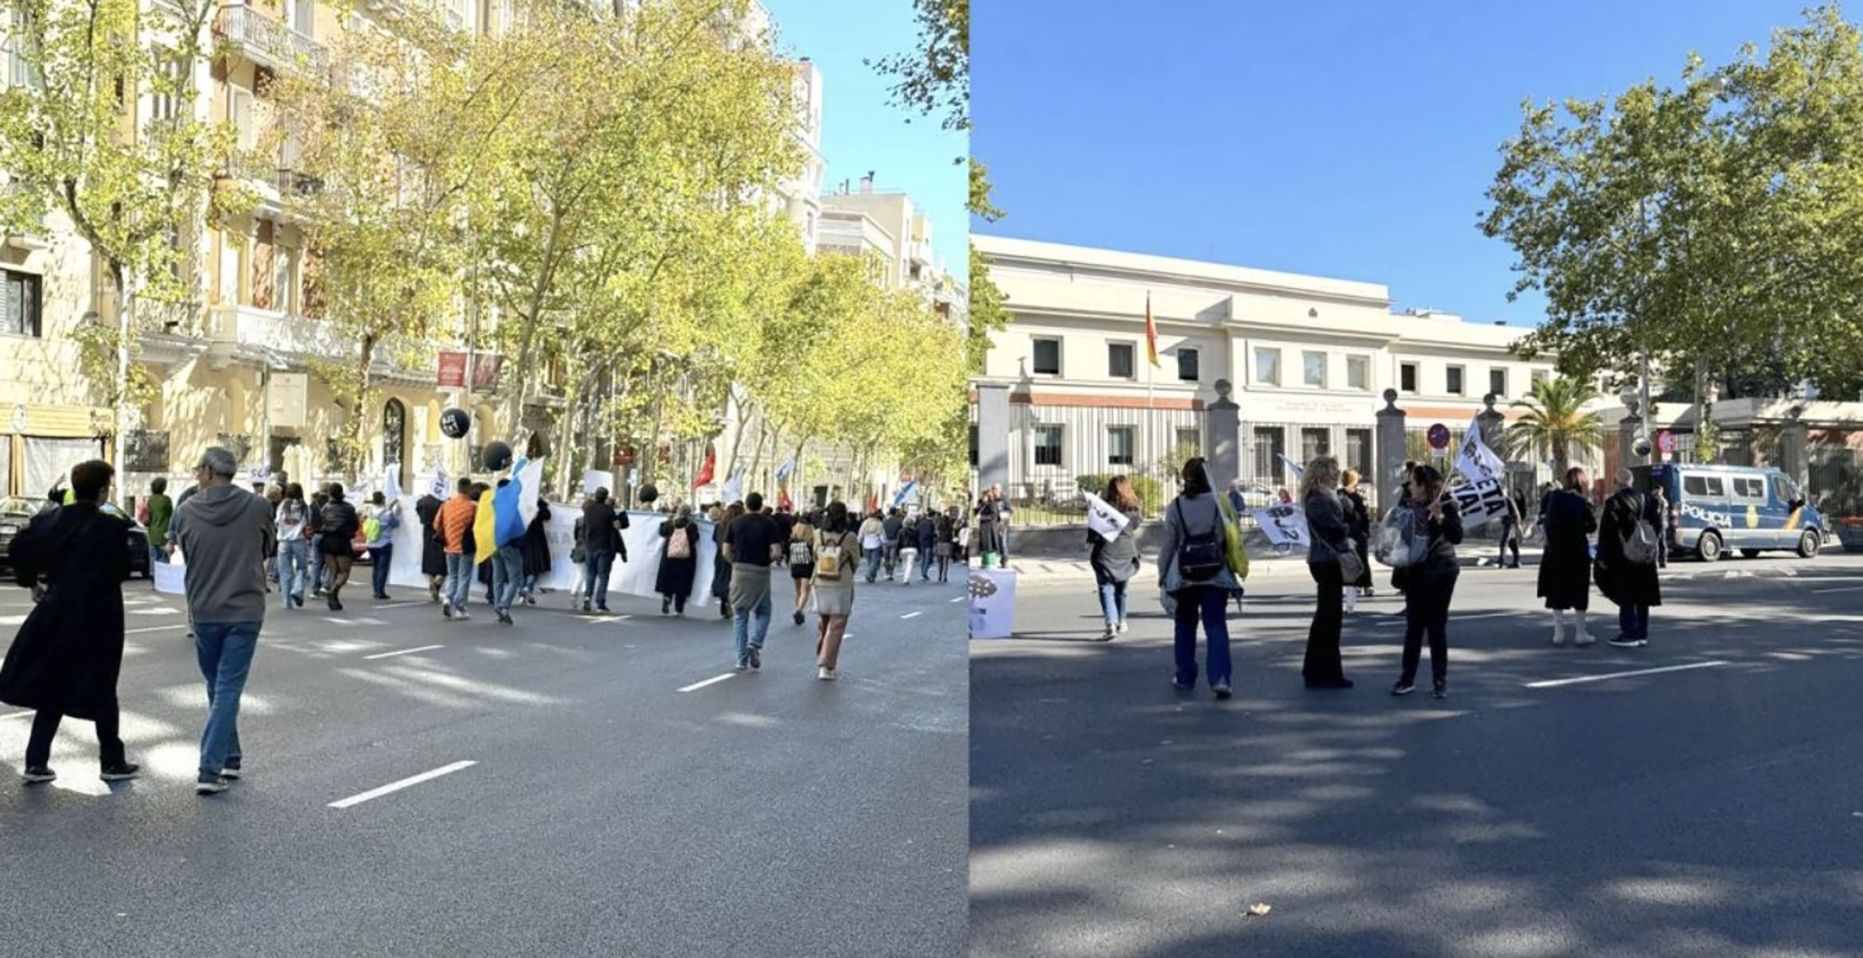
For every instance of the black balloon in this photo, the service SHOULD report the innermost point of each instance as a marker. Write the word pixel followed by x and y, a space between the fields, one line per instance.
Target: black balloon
pixel 454 423
pixel 497 455
pixel 648 493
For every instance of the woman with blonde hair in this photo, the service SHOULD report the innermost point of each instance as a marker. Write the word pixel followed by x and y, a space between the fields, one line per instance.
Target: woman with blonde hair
pixel 1329 539
pixel 802 563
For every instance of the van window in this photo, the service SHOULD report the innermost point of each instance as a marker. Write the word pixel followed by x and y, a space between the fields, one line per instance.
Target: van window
pixel 1785 489
pixel 1745 488
pixel 1708 486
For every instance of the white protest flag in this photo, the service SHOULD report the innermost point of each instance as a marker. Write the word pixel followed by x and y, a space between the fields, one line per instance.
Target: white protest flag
pixel 1103 518
pixel 734 486
pixel 391 483
pixel 1480 501
pixel 1292 466
pixel 438 485
pixel 1284 525
pixel 1476 461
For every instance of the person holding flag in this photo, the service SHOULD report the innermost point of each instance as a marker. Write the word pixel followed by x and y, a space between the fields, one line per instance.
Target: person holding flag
pixel 512 507
pixel 1112 548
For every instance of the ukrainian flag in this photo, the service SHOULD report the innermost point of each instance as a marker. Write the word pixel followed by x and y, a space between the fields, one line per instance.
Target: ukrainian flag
pixel 506 513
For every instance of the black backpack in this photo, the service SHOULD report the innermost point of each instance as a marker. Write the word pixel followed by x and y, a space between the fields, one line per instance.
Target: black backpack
pixel 1199 555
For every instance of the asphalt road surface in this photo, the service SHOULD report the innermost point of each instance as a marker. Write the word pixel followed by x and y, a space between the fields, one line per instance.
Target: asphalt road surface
pixel 579 802
pixel 1713 809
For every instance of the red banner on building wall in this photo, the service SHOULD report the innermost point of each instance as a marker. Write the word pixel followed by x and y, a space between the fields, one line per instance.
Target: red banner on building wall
pixel 485 367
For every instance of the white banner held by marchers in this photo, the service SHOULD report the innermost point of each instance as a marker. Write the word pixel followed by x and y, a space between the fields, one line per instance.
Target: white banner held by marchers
pixel 1102 518
pixel 992 603
pixel 1284 525
pixel 1480 501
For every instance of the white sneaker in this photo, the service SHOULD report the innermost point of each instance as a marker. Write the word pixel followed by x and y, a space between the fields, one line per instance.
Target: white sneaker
pixel 1584 638
pixel 1110 631
pixel 1122 628
pixel 825 673
pixel 1558 637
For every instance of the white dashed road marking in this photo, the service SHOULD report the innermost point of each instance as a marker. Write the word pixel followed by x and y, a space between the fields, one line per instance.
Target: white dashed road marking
pixel 384 655
pixel 1554 683
pixel 157 628
pixel 912 615
pixel 714 680
pixel 393 787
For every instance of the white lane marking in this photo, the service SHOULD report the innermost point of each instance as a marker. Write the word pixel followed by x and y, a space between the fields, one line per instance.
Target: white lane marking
pixel 12 620
pixel 714 680
pixel 959 598
pixel 156 628
pixel 158 610
pixel 912 615
pixel 384 655
pixel 1851 588
pixel 14 715
pixel 392 787
pixel 1554 683
pixel 398 605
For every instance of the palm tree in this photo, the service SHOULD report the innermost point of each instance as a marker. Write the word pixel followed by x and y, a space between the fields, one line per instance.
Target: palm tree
pixel 1555 424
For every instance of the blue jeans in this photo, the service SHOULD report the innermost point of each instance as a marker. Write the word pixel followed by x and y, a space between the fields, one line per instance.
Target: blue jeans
pixel 1212 606
pixel 873 562
pixel 740 626
pixel 507 577
pixel 1113 602
pixel 925 562
pixel 595 574
pixel 459 578
pixel 1634 621
pixel 379 558
pixel 293 568
pixel 225 653
pixel 316 567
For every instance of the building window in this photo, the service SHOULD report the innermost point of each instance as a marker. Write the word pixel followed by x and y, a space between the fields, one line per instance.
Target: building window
pixel 20 70
pixel 1313 369
pixel 1187 365
pixel 1268 366
pixel 1407 377
pixel 1452 380
pixel 1358 372
pixel 1497 381
pixel 1315 442
pixel 1119 362
pixel 22 304
pixel 304 18
pixel 1537 377
pixel 285 298
pixel 1119 445
pixel 1047 445
pixel 239 113
pixel 1270 445
pixel 1047 357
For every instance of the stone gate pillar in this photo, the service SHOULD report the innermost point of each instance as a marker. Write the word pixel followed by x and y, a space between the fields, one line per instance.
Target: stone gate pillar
pixel 1390 450
pixel 1222 426
pixel 992 435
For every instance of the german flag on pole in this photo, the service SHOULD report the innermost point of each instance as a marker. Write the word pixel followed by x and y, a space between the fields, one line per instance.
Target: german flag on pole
pixel 1151 332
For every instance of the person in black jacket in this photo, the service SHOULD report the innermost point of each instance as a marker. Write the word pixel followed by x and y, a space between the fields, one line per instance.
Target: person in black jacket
pixel 1358 525
pixel 432 545
pixel 339 525
pixel 1565 564
pixel 66 657
pixel 1429 582
pixel 602 543
pixel 1326 523
pixel 535 546
pixel 1632 585
pixel 1115 561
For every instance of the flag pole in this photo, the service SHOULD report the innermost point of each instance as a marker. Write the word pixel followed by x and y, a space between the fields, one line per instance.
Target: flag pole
pixel 1151 365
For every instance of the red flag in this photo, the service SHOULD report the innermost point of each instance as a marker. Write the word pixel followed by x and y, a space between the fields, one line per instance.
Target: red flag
pixel 1151 332
pixel 705 471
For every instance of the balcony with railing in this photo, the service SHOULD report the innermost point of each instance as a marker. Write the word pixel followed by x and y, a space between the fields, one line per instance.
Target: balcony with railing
pixel 267 40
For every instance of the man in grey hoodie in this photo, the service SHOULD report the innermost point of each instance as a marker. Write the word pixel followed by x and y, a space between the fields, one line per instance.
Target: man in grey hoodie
pixel 224 532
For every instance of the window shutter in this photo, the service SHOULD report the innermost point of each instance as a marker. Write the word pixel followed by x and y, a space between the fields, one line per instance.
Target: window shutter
pixel 263 278
pixel 15 303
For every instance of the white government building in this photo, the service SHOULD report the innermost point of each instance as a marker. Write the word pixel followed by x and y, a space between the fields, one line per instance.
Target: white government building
pixel 1308 357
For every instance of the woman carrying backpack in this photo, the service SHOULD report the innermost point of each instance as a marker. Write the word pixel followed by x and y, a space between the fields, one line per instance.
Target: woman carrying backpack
pixel 1116 560
pixel 1194 574
pixel 1330 540
pixel 294 523
pixel 837 548
pixel 339 525
pixel 379 527
pixel 1429 579
pixel 679 561
pixel 1626 566
pixel 802 563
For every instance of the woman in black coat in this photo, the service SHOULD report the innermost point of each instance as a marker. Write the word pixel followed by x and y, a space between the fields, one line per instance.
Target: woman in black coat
pixel 1565 566
pixel 674 580
pixel 1631 585
pixel 534 546
pixel 66 657
pixel 1358 522
pixel 432 550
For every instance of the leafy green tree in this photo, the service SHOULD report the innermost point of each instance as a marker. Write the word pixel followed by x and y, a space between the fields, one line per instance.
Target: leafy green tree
pixel 1554 424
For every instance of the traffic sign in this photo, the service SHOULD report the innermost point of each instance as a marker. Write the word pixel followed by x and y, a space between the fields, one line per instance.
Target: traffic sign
pixel 1439 437
pixel 1665 441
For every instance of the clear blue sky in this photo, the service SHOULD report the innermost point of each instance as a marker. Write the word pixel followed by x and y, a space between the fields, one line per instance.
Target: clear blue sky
pixel 860 131
pixel 1346 138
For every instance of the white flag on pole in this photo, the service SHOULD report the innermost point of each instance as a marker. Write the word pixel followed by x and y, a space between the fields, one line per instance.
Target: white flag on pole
pixel 1284 525
pixel 1476 461
pixel 437 486
pixel 391 483
pixel 1103 518
pixel 1480 501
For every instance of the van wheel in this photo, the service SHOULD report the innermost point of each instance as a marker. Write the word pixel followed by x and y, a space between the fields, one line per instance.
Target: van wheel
pixel 1709 547
pixel 1750 553
pixel 1809 543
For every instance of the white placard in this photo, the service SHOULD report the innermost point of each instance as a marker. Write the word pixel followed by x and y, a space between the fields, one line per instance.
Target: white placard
pixel 1102 518
pixel 171 578
pixel 992 603
pixel 1480 501
pixel 597 479
pixel 1284 525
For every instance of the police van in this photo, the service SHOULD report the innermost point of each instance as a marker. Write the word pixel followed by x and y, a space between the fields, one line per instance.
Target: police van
pixel 1714 508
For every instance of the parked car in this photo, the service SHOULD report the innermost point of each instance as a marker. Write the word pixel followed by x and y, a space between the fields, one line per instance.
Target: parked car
pixel 139 561
pixel 17 511
pixel 1750 508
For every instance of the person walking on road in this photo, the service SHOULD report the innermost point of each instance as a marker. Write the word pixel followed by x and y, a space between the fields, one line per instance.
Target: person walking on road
pixel 293 522
pixel 1115 561
pixel 223 530
pixel 891 525
pixel 721 565
pixel 835 547
pixel 1196 578
pixel 1565 565
pixel 535 547
pixel 1331 538
pixel 379 529
pixel 432 546
pixel 753 544
pixel 801 564
pixel 339 525
pixel 1358 525
pixel 602 543
pixel 161 510
pixel 906 548
pixel 679 561
pixel 67 656
pixel 1627 553
pixel 1429 582
pixel 948 523
pixel 507 575
pixel 319 568
pixel 1510 531
pixel 1661 500
pixel 927 542
pixel 873 544
pixel 453 527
